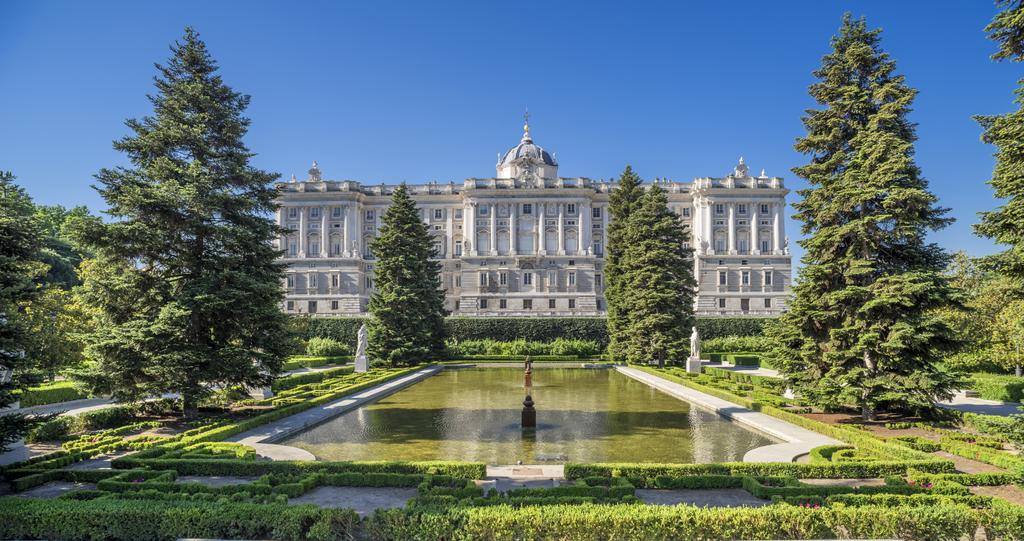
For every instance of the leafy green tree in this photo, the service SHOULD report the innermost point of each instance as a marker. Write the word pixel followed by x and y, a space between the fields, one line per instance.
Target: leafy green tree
pixel 57 322
pixel 20 270
pixel 60 251
pixel 1005 225
pixel 657 281
pixel 185 279
pixel 621 203
pixel 866 326
pixel 407 306
pixel 1007 335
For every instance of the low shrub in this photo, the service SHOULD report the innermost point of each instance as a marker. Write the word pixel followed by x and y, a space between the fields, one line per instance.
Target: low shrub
pixel 1004 387
pixel 56 429
pixel 51 393
pixel 318 346
pixel 109 417
pixel 294 380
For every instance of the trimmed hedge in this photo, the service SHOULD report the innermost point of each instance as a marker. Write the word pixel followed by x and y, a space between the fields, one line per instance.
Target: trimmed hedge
pixel 1004 387
pixel 646 475
pixel 22 518
pixel 51 393
pixel 536 329
pixel 294 380
pixel 296 362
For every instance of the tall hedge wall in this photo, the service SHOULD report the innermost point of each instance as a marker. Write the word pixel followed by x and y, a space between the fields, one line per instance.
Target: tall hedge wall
pixel 535 329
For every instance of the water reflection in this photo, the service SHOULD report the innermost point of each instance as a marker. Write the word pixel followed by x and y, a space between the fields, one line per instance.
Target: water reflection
pixel 582 416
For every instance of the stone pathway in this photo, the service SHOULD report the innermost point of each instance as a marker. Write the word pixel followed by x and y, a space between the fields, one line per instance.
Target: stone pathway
pixel 981 405
pixel 363 500
pixel 798 441
pixel 269 433
pixel 749 370
pixel 215 481
pixel 54 489
pixel 719 497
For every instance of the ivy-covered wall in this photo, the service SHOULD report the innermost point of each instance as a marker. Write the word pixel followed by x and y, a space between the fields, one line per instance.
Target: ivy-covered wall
pixel 533 329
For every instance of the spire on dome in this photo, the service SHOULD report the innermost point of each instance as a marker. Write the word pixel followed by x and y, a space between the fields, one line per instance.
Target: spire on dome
pixel 314 172
pixel 526 126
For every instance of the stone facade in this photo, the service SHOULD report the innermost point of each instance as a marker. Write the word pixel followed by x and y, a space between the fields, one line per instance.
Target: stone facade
pixel 530 243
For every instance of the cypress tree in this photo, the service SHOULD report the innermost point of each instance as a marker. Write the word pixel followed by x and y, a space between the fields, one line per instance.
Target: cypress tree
pixel 657 281
pixel 407 306
pixel 864 328
pixel 185 278
pixel 1005 225
pixel 20 271
pixel 623 199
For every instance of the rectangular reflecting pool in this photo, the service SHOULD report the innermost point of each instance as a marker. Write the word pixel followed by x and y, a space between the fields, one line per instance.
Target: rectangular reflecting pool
pixel 583 415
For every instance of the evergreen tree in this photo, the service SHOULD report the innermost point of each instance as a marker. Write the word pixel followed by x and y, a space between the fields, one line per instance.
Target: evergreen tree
pixel 1006 224
pixel 407 306
pixel 623 199
pixel 185 278
pixel 865 327
pixel 657 283
pixel 20 268
pixel 59 251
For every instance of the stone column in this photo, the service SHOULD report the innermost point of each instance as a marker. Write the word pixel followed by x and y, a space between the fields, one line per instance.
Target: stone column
pixel 561 228
pixel 450 234
pixel 302 231
pixel 583 226
pixel 754 248
pixel 471 216
pixel 357 238
pixel 346 217
pixel 540 229
pixel 494 228
pixel 513 228
pixel 324 237
pixel 777 228
pixel 282 239
pixel 731 221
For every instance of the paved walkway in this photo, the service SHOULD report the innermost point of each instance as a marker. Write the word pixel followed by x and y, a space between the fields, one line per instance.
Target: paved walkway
pixel 262 438
pixel 798 441
pixel 981 405
pixel 749 370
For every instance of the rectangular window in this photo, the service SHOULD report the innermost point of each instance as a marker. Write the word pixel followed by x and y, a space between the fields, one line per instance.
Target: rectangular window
pixel 721 303
pixel 572 278
pixel 572 304
pixel 438 214
pixel 457 306
pixel 437 249
pixel 723 278
pixel 767 303
pixel 293 212
pixel 458 214
pixel 336 212
pixel 745 277
pixel 293 248
pixel 764 209
pixel 764 246
pixel 312 281
pixel 370 216
pixel 334 280
pixel 570 208
pixel 719 208
pixel 483 279
pixel 551 304
pixel 767 278
pixel 458 280
pixel 527 208
pixel 334 306
pixel 527 278
pixel 503 278
pixel 290 306
pixel 483 210
pixel 686 212
pixel 719 245
pixel 502 304
pixel 483 304
pixel 458 248
pixel 598 250
pixel 312 307
pixel 741 208
pixel 314 212
pixel 368 282
pixel 598 280
pixel 527 304
pixel 595 212
pixel 290 281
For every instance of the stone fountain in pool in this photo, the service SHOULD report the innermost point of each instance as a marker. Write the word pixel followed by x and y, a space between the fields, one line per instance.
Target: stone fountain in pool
pixel 582 415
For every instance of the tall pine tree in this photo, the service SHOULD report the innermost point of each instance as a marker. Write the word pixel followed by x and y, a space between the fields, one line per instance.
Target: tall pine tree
pixel 656 282
pixel 1006 224
pixel 20 271
pixel 185 277
pixel 621 203
pixel 864 327
pixel 407 307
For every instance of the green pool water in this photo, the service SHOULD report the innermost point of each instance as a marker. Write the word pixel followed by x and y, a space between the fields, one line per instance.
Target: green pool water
pixel 583 415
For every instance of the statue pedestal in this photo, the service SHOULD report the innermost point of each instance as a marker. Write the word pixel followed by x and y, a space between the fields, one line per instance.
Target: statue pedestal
pixel 529 417
pixel 693 365
pixel 261 393
pixel 362 365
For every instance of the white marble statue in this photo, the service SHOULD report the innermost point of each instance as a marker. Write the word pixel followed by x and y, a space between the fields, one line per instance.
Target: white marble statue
pixel 361 363
pixel 695 344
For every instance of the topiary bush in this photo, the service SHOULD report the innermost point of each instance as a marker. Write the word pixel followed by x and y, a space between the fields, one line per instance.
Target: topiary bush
pixel 325 347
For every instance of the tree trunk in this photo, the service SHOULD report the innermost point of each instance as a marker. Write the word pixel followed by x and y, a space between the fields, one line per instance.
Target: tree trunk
pixel 189 405
pixel 1017 371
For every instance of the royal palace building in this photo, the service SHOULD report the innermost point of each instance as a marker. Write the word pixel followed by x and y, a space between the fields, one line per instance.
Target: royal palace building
pixel 530 243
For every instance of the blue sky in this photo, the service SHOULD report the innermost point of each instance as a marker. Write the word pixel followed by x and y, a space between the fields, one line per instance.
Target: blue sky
pixel 418 91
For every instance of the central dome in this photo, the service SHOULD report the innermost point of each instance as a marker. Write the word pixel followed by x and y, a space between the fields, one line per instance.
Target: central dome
pixel 528 158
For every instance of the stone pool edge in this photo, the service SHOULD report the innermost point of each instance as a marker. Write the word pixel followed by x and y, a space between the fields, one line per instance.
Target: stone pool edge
pixel 798 441
pixel 262 438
